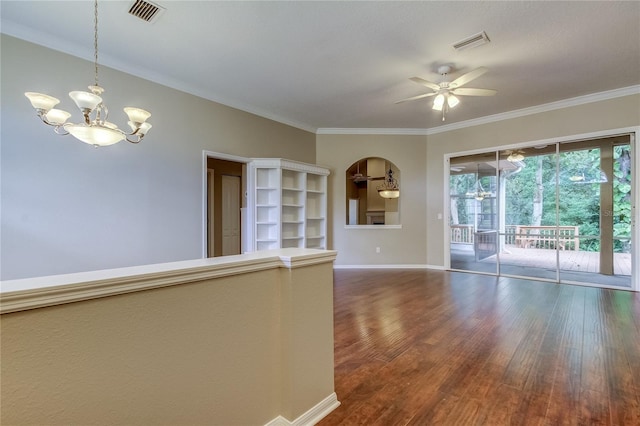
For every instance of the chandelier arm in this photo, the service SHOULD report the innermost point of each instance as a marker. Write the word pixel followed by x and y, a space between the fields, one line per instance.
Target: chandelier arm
pixel 126 137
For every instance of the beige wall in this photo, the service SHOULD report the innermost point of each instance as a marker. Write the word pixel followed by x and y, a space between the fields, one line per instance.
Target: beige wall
pixel 76 208
pixel 233 350
pixel 358 246
pixel 421 163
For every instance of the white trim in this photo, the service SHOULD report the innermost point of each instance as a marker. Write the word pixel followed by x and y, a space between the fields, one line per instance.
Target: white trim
pixel 371 131
pixel 446 212
pixel 635 211
pixel 372 226
pixel 56 43
pixel 312 416
pixel 218 156
pixel 38 37
pixel 552 106
pixel 31 293
pixel 297 166
pixel 378 266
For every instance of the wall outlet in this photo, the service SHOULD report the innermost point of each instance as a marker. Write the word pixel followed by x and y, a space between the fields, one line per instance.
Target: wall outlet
pixel 377 249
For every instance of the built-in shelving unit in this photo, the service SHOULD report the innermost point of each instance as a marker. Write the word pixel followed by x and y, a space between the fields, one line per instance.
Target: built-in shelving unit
pixel 290 204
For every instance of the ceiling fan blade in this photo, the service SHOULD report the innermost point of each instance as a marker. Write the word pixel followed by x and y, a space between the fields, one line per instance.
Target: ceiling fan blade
pixel 424 82
pixel 464 79
pixel 468 91
pixel 416 97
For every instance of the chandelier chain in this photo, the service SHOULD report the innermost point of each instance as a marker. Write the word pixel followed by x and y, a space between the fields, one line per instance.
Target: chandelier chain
pixel 95 40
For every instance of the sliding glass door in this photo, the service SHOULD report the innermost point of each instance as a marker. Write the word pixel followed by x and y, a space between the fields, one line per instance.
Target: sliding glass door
pixel 559 212
pixel 595 195
pixel 528 193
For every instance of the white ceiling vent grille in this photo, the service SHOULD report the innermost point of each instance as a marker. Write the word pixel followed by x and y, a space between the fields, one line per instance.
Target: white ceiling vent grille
pixel 473 41
pixel 145 10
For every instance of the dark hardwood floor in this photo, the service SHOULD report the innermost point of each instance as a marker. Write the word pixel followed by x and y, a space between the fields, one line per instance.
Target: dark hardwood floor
pixel 421 347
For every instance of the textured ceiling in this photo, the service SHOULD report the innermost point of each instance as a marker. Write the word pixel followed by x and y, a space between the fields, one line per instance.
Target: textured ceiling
pixel 339 64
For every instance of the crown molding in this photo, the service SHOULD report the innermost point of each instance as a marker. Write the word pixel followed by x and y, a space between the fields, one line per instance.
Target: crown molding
pixel 41 38
pixel 61 45
pixel 566 103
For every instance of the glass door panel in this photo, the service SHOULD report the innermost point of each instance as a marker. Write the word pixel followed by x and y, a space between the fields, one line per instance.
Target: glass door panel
pixel 595 198
pixel 528 190
pixel 473 214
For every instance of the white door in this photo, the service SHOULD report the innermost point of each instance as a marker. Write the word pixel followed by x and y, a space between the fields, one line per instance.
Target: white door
pixel 230 215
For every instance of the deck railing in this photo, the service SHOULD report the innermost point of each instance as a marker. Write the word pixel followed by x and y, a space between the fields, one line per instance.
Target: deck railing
pixel 462 234
pixel 526 236
pixel 548 237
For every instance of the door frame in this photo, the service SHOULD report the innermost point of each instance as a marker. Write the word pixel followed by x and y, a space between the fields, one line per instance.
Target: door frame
pixel 218 156
pixel 634 133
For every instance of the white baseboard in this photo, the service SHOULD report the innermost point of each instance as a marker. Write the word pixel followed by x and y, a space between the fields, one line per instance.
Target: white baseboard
pixel 411 266
pixel 312 416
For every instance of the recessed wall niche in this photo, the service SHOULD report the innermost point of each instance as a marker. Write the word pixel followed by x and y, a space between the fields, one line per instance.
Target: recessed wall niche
pixel 364 206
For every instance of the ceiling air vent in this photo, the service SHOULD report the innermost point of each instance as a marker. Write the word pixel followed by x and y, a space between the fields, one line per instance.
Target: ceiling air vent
pixel 473 41
pixel 145 10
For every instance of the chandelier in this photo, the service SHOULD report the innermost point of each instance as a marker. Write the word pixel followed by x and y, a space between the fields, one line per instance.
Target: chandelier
pixel 389 189
pixel 94 129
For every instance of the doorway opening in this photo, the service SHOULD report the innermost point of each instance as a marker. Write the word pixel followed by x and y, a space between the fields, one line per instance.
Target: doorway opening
pixel 225 205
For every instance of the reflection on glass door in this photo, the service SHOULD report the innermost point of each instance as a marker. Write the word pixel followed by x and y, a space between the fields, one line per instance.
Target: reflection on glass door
pixel 595 195
pixel 559 212
pixel 528 190
pixel 474 213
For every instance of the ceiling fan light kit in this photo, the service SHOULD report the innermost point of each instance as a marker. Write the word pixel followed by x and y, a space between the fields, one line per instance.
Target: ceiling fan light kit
pixel 445 92
pixel 515 156
pixel 94 129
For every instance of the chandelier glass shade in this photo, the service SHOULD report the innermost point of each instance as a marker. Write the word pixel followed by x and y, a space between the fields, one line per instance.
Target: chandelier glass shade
pixel 515 156
pixel 389 189
pixel 94 129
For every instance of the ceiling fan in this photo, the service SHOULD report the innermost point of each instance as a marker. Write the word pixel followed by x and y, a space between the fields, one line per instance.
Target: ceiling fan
pixel 445 92
pixel 359 177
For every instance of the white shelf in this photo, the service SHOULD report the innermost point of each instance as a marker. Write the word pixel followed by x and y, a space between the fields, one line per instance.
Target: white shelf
pixel 290 202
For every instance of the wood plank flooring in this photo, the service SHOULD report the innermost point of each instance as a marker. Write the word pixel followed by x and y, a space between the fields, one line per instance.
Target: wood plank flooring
pixel 421 347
